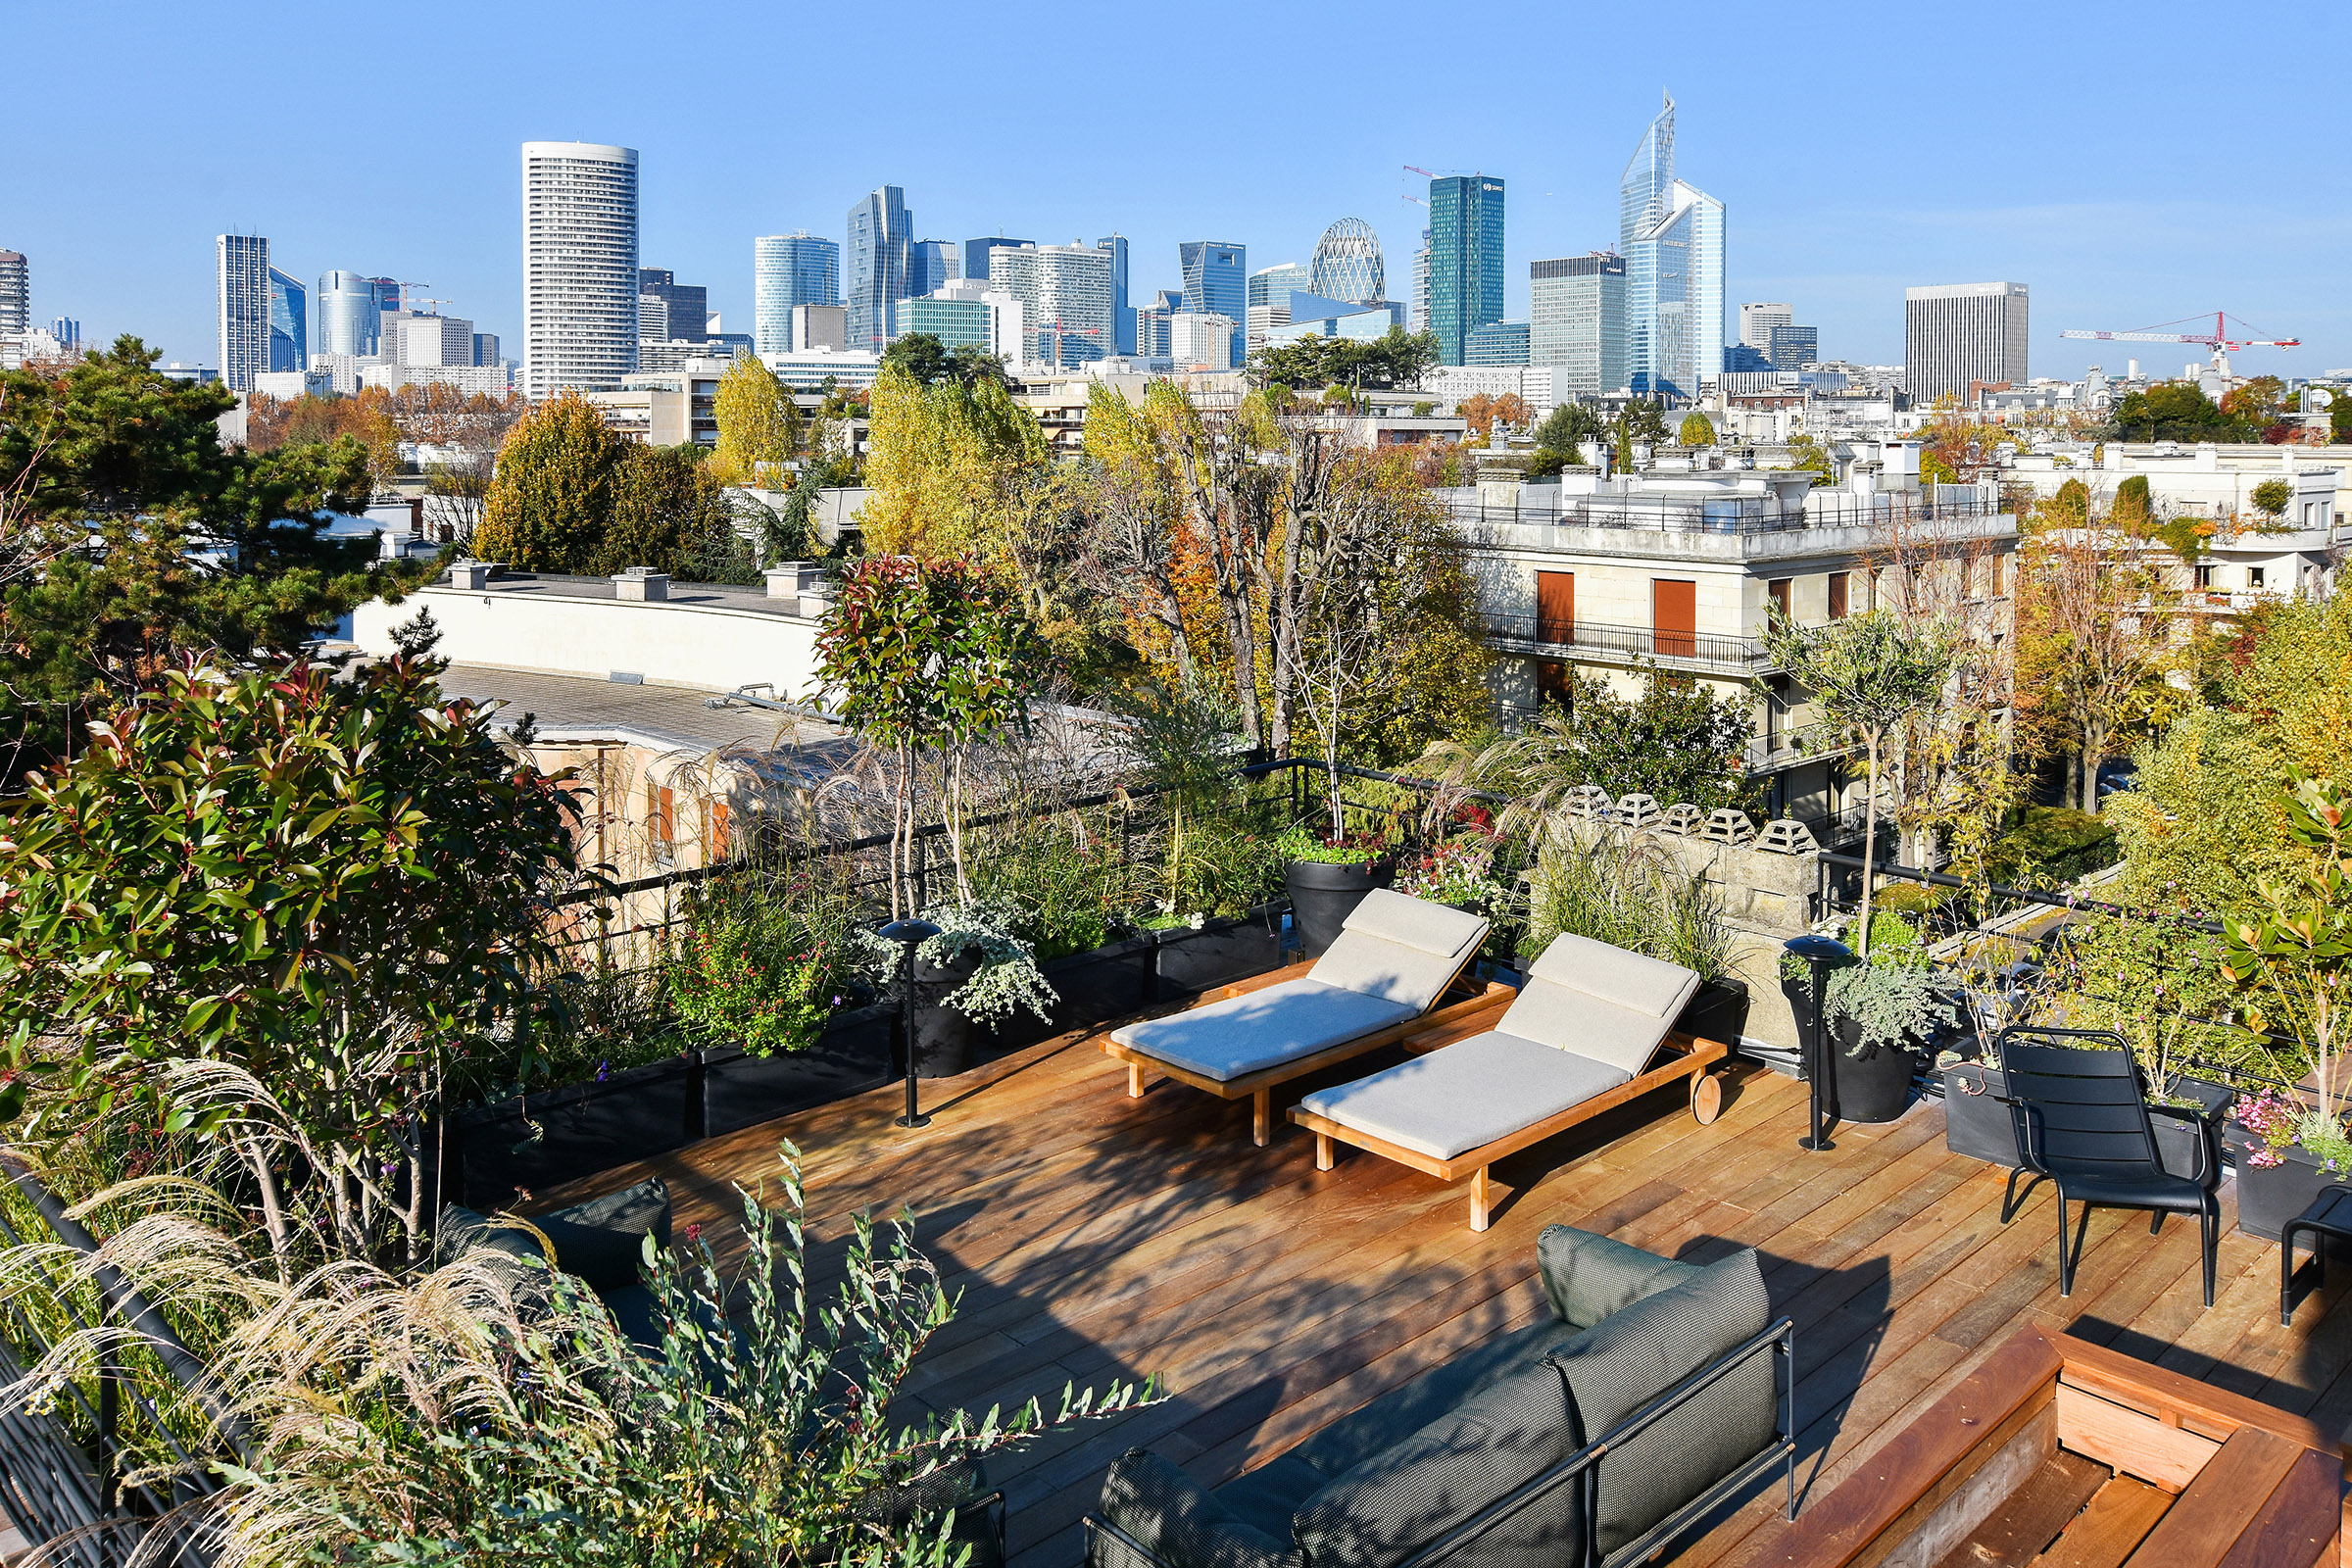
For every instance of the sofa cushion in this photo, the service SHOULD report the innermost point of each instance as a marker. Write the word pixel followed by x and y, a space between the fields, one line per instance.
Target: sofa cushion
pixel 1465 1095
pixel 1568 1019
pixel 602 1242
pixel 1588 1278
pixel 1178 1522
pixel 1627 1359
pixel 1408 1495
pixel 1354 1437
pixel 1241 1035
pixel 1632 980
pixel 1267 1497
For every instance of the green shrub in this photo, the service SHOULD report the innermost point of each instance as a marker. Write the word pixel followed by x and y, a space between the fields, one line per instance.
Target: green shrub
pixel 1625 892
pixel 1067 880
pixel 766 960
pixel 2049 845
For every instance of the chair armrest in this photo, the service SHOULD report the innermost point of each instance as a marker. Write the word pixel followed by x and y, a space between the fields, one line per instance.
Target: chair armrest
pixel 1153 1515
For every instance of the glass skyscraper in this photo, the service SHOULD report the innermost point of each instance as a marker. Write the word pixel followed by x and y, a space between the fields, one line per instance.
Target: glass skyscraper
pixel 1270 291
pixel 1116 244
pixel 1671 235
pixel 1216 283
pixel 1065 297
pixel 878 265
pixel 788 269
pixel 241 295
pixel 1348 264
pixel 1465 260
pixel 289 323
pixel 579 266
pixel 934 264
pixel 348 315
pixel 975 253
pixel 1576 321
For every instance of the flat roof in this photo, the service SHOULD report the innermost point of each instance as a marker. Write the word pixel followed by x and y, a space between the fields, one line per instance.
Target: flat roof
pixel 707 595
pixel 580 709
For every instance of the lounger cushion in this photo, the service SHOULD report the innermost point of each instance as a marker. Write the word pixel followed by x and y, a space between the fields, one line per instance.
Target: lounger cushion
pixel 1241 1035
pixel 1628 979
pixel 1405 950
pixel 1567 1019
pixel 1468 1094
pixel 1437 928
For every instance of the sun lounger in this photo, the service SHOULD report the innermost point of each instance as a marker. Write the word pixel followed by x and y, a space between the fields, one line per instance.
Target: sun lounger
pixel 1579 1039
pixel 1395 960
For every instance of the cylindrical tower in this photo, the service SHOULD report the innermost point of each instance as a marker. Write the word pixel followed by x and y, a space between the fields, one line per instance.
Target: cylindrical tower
pixel 579 266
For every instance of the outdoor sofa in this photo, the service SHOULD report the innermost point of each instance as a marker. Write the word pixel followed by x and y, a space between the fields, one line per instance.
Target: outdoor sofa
pixel 1393 960
pixel 1579 1039
pixel 1653 1391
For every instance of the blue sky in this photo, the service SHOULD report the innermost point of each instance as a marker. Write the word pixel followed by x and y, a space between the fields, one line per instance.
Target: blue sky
pixel 2131 164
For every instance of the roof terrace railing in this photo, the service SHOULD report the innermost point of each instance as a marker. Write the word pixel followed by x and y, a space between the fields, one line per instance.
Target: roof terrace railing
pixel 1737 514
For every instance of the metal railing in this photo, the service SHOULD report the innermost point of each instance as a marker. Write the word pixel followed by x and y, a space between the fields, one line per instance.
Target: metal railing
pixel 1548 638
pixel 1724 515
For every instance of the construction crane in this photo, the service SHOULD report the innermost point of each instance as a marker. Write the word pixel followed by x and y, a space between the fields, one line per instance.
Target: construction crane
pixel 2217 340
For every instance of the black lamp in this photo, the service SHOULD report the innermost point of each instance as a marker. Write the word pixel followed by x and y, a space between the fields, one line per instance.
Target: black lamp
pixel 1820 955
pixel 908 934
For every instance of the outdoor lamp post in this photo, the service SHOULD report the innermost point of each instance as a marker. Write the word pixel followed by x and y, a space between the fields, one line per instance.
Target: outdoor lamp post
pixel 1819 955
pixel 908 935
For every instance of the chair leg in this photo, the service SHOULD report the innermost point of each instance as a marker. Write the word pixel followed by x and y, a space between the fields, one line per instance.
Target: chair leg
pixel 2011 1197
pixel 1482 1198
pixel 1261 1116
pixel 1135 1081
pixel 2286 1274
pixel 2209 1218
pixel 1323 1160
pixel 2066 1269
pixel 2156 1222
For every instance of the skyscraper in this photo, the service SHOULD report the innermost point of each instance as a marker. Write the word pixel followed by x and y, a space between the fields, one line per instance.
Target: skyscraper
pixel 1152 323
pixel 241 286
pixel 790 269
pixel 1270 291
pixel 1576 321
pixel 579 266
pixel 1672 234
pixel 1348 264
pixel 1497 343
pixel 1122 312
pixel 16 292
pixel 1956 335
pixel 1216 283
pixel 877 262
pixel 1065 297
pixel 346 314
pixel 289 323
pixel 1756 321
pixel 1793 348
pixel 1421 285
pixel 1465 260
pixel 668 310
pixel 975 253
pixel 934 264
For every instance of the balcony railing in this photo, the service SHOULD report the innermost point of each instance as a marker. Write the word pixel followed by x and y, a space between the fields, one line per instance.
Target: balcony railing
pixel 1728 514
pixel 1547 638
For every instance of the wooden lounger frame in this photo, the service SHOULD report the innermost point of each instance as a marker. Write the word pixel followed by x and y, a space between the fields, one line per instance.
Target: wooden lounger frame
pixel 1690 1059
pixel 1259 1086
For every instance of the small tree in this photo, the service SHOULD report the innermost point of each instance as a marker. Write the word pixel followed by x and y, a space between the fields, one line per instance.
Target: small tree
pixel 1697 430
pixel 552 502
pixel 1868 675
pixel 759 424
pixel 2273 497
pixel 2293 954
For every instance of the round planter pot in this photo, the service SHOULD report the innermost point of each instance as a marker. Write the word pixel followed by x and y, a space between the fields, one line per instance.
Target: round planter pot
pixel 1875 1088
pixel 1323 896
pixel 943 1037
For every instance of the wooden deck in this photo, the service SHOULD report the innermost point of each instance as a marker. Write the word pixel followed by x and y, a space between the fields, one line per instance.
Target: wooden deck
pixel 1094 1236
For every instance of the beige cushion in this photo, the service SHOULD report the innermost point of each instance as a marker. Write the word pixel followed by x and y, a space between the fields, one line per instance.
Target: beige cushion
pixel 1628 979
pixel 1466 1095
pixel 1402 950
pixel 1417 923
pixel 1567 1019
pixel 1241 1035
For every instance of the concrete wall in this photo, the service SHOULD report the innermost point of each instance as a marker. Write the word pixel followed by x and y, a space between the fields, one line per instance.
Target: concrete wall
pixel 713 647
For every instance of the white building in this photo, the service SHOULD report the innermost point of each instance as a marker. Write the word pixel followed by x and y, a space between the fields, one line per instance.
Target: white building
pixel 1198 341
pixel 809 370
pixel 436 341
pixel 1757 321
pixel 1068 304
pixel 810 329
pixel 579 266
pixel 287 385
pixel 241 299
pixel 1958 334
pixel 490 381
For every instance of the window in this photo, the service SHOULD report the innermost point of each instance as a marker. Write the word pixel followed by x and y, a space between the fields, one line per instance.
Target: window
pixel 720 827
pixel 1778 588
pixel 660 820
pixel 2254 577
pixel 2000 575
pixel 2203 576
pixel 1673 617
pixel 1841 584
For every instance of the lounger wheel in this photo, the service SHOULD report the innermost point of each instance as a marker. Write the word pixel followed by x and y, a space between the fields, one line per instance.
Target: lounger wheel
pixel 1706 1097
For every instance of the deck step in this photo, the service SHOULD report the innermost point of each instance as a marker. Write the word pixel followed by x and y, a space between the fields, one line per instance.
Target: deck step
pixel 2017 1531
pixel 2110 1527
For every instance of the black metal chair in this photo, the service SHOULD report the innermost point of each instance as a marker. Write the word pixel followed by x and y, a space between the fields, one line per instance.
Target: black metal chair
pixel 2082 1122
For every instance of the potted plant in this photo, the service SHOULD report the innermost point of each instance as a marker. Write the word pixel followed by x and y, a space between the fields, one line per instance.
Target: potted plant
pixel 974 972
pixel 1459 872
pixel 1327 877
pixel 1882 1011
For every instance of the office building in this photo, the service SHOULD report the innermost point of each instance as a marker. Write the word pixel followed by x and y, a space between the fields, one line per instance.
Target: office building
pixel 485 348
pixel 1201 342
pixel 1269 308
pixel 579 266
pixel 1152 323
pixel 1122 312
pixel 289 323
pixel 16 292
pixel 68 333
pixel 346 314
pixel 1740 359
pixel 789 270
pixel 1576 321
pixel 1465 260
pixel 668 310
pixel 1348 264
pixel 1216 283
pixel 1756 321
pixel 1957 335
pixel 1672 236
pixel 1421 285
pixel 932 264
pixel 976 253
pixel 967 313
pixel 877 264
pixel 1496 343
pixel 1315 317
pixel 241 289
pixel 809 370
pixel 1065 297
pixel 810 329
pixel 436 342
pixel 1793 348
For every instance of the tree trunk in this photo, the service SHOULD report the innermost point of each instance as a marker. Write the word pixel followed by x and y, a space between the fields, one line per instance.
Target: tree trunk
pixel 1869 841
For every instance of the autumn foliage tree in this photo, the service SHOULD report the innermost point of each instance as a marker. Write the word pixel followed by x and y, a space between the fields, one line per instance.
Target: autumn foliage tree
pixel 951 467
pixel 572 497
pixel 759 424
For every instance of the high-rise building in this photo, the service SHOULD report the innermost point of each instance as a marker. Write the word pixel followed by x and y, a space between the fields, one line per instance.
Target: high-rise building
pixel 1958 334
pixel 346 314
pixel 877 266
pixel 932 264
pixel 289 323
pixel 668 310
pixel 485 348
pixel 1421 285
pixel 16 292
pixel 975 253
pixel 1200 341
pixel 1348 264
pixel 1496 343
pixel 436 342
pixel 1123 314
pixel 1756 321
pixel 1065 297
pixel 971 311
pixel 241 286
pixel 1672 234
pixel 1270 291
pixel 1152 323
pixel 1793 348
pixel 68 333
pixel 790 270
pixel 810 327
pixel 1216 283
pixel 1576 321
pixel 579 266
pixel 1465 260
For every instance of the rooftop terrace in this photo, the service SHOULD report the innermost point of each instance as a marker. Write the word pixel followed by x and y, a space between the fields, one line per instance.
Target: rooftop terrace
pixel 1095 1236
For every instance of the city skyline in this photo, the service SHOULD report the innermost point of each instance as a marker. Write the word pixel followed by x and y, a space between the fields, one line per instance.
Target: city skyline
pixel 1843 247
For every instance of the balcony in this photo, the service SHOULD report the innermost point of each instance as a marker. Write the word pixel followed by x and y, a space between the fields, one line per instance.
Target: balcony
pixel 1587 642
pixel 1492 525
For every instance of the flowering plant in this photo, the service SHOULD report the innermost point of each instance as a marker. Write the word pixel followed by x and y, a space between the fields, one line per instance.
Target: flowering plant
pixel 1457 871
pixel 730 984
pixel 2281 1121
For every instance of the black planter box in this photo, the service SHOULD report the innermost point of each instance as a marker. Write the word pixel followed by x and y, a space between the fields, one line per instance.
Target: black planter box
pixel 2269 1195
pixel 1977 1120
pixel 1718 1010
pixel 1094 986
pixel 581 1129
pixel 1189 961
pixel 854 1054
